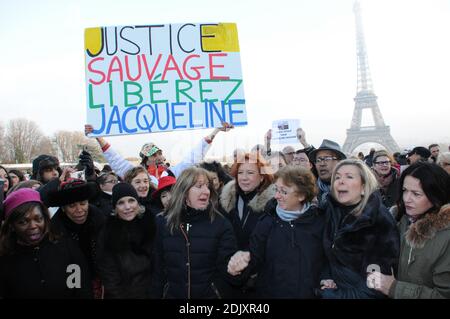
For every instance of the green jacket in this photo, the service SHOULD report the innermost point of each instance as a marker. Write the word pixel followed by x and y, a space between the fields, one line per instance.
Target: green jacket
pixel 424 267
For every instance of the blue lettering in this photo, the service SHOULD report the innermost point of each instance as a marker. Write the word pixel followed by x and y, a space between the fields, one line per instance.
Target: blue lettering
pixel 102 127
pixel 212 107
pixel 191 115
pixel 158 122
pixel 174 115
pixel 148 126
pixel 114 118
pixel 231 111
pixel 124 120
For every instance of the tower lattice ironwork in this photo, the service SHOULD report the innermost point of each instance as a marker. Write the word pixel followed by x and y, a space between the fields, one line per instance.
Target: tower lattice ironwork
pixel 366 99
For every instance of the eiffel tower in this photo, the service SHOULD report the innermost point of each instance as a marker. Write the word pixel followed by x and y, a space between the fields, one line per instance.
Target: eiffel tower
pixel 366 99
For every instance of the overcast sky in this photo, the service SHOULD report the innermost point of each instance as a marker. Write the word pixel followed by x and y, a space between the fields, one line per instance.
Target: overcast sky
pixel 298 61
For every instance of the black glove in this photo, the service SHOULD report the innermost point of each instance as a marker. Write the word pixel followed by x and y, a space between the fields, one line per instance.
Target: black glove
pixel 88 163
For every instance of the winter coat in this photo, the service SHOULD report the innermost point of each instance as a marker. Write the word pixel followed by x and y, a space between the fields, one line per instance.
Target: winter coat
pixel 362 244
pixel 424 268
pixel 287 255
pixel 228 206
pixel 125 256
pixel 84 235
pixel 389 193
pixel 192 262
pixel 103 202
pixel 42 271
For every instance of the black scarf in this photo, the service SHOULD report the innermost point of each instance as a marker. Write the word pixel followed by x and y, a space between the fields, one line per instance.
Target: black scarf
pixel 135 235
pixel 246 198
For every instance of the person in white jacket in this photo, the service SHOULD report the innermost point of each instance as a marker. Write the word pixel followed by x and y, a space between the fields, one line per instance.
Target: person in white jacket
pixel 152 156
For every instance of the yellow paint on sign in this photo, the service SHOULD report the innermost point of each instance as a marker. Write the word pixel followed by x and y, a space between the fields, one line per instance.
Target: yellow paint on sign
pixel 222 37
pixel 93 40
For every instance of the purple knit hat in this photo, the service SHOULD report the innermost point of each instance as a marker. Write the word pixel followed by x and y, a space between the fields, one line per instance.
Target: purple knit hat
pixel 19 197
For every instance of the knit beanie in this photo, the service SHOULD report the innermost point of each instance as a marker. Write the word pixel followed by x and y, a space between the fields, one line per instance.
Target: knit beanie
pixel 19 197
pixel 122 190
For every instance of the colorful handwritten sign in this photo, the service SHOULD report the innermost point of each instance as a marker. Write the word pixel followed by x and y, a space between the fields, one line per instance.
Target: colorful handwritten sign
pixel 165 77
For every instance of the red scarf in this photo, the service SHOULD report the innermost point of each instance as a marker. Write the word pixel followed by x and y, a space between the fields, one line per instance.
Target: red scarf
pixel 156 170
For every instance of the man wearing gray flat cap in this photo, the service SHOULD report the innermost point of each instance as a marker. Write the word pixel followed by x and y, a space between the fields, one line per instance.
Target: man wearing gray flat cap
pixel 325 159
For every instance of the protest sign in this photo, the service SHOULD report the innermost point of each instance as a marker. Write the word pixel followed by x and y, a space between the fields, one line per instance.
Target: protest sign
pixel 285 131
pixel 163 77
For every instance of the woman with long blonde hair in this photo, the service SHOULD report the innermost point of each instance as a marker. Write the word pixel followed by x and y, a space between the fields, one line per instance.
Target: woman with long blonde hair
pixel 194 241
pixel 360 234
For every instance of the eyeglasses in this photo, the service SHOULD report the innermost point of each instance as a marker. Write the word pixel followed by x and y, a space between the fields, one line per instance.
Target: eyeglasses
pixel 382 163
pixel 325 159
pixel 282 192
pixel 302 160
pixel 111 181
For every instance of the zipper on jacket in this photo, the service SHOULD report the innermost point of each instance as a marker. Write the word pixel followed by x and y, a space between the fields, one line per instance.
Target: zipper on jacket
pixel 410 253
pixel 165 290
pixel 216 291
pixel 188 264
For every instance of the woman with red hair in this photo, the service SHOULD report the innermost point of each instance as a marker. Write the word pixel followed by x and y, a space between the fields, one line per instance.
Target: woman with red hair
pixel 244 199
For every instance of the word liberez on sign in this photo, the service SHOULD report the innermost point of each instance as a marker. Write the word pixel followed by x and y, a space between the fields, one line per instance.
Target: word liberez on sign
pixel 154 78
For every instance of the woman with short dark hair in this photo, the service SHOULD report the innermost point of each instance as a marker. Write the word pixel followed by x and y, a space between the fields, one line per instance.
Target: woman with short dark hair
pixel 286 246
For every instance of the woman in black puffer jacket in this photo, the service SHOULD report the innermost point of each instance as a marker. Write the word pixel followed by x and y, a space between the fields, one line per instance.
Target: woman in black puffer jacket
pixel 286 246
pixel 194 242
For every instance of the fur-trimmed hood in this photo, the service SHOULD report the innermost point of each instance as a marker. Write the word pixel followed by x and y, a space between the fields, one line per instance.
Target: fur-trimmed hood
pixel 427 227
pixel 228 198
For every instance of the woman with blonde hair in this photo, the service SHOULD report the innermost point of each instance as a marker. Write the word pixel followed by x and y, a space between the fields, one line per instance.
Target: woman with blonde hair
pixel 360 234
pixel 194 241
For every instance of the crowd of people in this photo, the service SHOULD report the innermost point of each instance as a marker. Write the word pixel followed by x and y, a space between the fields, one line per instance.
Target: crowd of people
pixel 307 223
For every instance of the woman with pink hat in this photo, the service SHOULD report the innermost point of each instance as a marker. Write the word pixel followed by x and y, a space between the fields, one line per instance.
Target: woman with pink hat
pixel 34 261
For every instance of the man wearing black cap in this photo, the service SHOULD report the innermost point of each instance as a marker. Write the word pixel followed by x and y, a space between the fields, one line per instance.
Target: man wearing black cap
pixel 45 168
pixel 325 159
pixel 418 153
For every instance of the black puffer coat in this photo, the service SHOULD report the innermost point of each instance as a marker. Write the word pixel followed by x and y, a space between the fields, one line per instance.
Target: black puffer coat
pixel 287 255
pixel 357 245
pixel 192 262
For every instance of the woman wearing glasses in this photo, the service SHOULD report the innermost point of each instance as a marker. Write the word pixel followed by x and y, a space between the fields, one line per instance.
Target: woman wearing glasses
pixel 387 177
pixel 286 247
pixel 106 182
pixel 360 234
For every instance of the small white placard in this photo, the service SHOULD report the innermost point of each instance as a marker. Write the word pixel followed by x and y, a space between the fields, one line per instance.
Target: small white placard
pixel 285 131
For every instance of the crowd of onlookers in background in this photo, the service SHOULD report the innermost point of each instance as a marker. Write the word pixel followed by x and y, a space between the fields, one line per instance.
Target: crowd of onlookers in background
pixel 305 223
